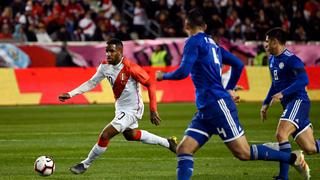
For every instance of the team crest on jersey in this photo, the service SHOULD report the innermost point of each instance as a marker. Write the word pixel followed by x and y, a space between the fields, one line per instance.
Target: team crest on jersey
pixel 281 65
pixel 123 78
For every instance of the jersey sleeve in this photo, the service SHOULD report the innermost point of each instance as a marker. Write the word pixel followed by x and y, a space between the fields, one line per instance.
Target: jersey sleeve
pixel 88 85
pixel 298 70
pixel 237 67
pixel 190 55
pixel 268 98
pixel 141 76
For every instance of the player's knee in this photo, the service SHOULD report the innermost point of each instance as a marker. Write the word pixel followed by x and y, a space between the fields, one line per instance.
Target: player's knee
pixel 183 149
pixel 310 150
pixel 281 137
pixel 132 136
pixel 242 155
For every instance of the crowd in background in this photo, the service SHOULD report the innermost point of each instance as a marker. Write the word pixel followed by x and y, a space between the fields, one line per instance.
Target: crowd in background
pixel 99 20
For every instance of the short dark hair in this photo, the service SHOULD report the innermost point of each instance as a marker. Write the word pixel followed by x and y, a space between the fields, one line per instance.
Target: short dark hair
pixel 116 41
pixel 278 34
pixel 195 18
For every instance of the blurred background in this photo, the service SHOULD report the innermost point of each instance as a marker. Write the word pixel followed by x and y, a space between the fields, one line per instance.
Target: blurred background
pixel 45 44
pixel 49 47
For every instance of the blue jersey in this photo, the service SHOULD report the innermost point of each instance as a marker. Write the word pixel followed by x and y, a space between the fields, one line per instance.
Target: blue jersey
pixel 288 76
pixel 203 58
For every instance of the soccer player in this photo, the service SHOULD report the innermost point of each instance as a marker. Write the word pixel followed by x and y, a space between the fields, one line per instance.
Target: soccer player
pixel 124 77
pixel 217 113
pixel 289 80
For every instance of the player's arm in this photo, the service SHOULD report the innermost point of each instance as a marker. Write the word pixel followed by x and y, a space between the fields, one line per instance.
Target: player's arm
pixel 266 103
pixel 141 76
pixel 299 72
pixel 236 68
pixel 190 55
pixel 86 86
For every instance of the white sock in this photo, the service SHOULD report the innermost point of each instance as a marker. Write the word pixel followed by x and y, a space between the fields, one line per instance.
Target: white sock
pixel 93 154
pixel 149 138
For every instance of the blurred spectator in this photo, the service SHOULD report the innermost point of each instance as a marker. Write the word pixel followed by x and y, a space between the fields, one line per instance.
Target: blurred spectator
pixel 64 57
pixel 88 26
pixel 116 21
pixel 19 35
pixel 139 19
pixel 160 56
pixel 261 59
pixel 75 19
pixel 42 35
pixel 247 29
pixel 123 33
pixel 300 34
pixel 107 7
pixel 5 34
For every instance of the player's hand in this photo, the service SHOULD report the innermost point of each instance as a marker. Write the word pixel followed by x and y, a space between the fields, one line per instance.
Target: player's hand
pixel 154 118
pixel 234 96
pixel 159 75
pixel 64 96
pixel 263 112
pixel 277 96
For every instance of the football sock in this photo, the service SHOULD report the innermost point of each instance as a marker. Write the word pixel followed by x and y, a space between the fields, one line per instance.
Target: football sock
pixel 149 138
pixel 94 153
pixel 318 145
pixel 284 167
pixel 185 166
pixel 261 152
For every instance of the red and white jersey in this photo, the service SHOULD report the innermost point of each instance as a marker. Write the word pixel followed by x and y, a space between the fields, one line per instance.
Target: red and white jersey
pixel 124 79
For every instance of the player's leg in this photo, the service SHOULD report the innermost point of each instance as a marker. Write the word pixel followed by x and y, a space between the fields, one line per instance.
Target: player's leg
pixel 185 150
pixel 304 134
pixel 149 138
pixel 284 130
pixel 107 133
pixel 307 142
pixel 196 135
pixel 240 147
pixel 231 133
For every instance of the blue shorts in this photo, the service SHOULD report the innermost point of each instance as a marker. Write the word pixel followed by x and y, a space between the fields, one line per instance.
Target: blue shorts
pixel 297 112
pixel 227 125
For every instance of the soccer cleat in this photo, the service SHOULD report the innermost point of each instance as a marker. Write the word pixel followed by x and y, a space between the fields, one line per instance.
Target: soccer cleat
pixel 78 169
pixel 301 165
pixel 173 144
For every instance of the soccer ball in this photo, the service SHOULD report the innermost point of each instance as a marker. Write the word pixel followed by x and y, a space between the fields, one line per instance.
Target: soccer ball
pixel 44 165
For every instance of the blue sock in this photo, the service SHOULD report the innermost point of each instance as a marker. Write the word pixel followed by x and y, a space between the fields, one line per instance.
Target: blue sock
pixel 185 166
pixel 284 167
pixel 261 152
pixel 318 145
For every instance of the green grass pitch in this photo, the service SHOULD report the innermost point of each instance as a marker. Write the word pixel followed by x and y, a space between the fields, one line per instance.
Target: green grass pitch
pixel 68 132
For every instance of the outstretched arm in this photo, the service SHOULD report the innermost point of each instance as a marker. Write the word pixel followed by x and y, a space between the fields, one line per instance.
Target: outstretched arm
pixel 87 86
pixel 190 55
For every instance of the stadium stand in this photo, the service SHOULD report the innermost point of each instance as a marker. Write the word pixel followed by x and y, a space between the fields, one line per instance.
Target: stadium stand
pixel 88 20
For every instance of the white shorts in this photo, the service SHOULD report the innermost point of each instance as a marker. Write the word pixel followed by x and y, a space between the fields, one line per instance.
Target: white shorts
pixel 123 121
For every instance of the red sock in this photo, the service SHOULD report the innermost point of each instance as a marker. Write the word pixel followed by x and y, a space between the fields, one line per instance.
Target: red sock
pixel 103 142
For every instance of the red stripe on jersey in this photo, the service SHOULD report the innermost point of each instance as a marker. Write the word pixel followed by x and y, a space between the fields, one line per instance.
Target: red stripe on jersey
pixel 141 76
pixel 121 81
pixel 104 61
